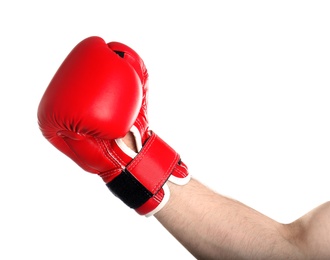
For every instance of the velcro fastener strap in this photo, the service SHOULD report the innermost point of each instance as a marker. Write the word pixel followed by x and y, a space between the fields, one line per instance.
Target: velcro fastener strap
pixel 146 173
pixel 129 190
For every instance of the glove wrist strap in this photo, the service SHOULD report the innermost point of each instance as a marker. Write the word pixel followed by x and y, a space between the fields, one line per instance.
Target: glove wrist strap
pixel 146 174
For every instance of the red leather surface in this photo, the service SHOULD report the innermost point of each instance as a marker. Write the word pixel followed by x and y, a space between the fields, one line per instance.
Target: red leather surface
pixel 94 94
pixel 154 164
pixel 95 97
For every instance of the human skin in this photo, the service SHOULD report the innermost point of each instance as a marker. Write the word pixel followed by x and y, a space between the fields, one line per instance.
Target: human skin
pixel 212 226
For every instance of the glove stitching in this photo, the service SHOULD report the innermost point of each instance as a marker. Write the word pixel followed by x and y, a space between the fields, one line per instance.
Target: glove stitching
pixel 179 171
pixel 109 156
pixel 116 157
pixel 111 173
pixel 158 197
pixel 166 174
pixel 142 152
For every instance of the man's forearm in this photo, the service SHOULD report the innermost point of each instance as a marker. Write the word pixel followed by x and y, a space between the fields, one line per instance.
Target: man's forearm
pixel 212 226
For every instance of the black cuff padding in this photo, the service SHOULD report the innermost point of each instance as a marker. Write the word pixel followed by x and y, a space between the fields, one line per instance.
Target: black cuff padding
pixel 127 188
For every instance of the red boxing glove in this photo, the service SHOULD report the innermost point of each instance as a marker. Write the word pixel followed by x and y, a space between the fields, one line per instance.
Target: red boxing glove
pixel 97 96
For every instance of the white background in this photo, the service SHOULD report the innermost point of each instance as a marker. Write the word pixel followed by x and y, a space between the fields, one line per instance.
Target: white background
pixel 239 88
